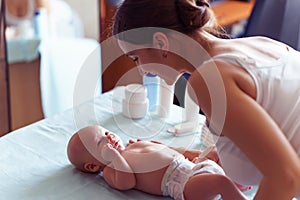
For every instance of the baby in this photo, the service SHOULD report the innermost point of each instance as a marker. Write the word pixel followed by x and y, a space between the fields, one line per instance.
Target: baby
pixel 148 166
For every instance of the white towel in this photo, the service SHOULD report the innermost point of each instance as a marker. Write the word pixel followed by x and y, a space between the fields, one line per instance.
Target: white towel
pixel 69 67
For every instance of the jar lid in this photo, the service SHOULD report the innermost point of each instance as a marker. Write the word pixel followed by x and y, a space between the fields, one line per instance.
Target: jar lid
pixel 135 93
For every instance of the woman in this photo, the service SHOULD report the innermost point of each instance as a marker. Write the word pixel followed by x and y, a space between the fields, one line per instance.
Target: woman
pixel 247 88
pixel 19 10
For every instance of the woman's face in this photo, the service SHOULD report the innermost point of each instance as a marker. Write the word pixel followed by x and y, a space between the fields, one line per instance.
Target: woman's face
pixel 151 60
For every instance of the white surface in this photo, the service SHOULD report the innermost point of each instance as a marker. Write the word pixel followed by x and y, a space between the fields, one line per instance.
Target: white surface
pixel 88 12
pixel 33 159
pixel 22 49
pixel 64 20
pixel 70 73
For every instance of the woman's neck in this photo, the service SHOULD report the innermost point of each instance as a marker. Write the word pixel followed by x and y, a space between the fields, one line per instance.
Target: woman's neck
pixel 195 49
pixel 209 42
pixel 205 46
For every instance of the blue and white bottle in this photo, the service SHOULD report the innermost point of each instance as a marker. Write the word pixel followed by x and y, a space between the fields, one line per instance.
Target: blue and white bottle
pixel 152 82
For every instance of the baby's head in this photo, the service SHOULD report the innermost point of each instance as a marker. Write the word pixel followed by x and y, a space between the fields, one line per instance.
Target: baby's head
pixel 84 148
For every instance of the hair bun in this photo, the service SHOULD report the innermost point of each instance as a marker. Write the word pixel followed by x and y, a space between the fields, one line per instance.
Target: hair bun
pixel 193 14
pixel 202 3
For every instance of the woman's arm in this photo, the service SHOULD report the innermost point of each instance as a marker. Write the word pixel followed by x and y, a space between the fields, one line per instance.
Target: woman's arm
pixel 206 186
pixel 251 128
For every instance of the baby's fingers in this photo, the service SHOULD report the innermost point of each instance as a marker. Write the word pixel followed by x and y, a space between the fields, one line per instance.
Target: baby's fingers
pixel 156 142
pixel 131 141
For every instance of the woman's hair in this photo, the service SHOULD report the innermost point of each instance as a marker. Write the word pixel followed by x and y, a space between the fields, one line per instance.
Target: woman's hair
pixel 185 16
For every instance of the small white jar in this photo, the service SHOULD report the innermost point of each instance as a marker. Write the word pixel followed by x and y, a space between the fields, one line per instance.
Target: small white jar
pixel 135 105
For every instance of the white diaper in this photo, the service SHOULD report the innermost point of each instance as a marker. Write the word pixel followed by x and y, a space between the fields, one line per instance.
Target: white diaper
pixel 180 170
pixel 207 166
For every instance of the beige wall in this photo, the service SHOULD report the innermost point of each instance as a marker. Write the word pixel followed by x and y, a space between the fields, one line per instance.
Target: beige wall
pixel 88 11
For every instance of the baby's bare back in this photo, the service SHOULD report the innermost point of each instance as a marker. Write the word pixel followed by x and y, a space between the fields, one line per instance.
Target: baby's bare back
pixel 149 162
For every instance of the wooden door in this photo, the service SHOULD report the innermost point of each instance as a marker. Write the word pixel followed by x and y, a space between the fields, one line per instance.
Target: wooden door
pixel 4 78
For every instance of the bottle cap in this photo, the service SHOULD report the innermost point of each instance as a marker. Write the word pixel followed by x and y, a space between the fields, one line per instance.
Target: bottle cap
pixel 135 93
pixel 151 75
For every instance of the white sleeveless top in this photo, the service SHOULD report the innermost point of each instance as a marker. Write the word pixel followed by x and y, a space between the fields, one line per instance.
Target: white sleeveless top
pixel 278 92
pixel 12 20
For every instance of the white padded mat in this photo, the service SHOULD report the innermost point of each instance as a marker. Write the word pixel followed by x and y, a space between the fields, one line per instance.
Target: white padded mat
pixel 33 159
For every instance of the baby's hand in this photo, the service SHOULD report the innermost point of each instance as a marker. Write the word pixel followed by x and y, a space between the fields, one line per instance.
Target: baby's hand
pixel 210 153
pixel 198 159
pixel 132 141
pixel 109 152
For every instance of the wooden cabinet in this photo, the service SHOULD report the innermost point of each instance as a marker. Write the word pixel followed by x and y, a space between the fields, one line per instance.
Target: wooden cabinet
pixel 4 84
pixel 25 93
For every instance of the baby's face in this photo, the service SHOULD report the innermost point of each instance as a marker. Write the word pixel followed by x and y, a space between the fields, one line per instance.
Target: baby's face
pixel 94 138
pixel 113 139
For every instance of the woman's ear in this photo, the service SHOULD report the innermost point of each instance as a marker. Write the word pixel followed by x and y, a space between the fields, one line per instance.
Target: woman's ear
pixel 161 41
pixel 90 167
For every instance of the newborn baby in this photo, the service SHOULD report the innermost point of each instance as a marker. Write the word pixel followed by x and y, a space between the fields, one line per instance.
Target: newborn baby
pixel 151 167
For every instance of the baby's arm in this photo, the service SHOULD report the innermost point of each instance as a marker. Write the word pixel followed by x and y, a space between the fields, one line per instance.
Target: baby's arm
pixel 118 173
pixel 190 154
pixel 206 186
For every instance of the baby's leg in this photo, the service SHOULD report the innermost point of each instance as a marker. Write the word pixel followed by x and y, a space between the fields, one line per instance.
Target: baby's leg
pixel 208 186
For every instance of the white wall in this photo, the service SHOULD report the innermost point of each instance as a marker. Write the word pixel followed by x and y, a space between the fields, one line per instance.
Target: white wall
pixel 88 11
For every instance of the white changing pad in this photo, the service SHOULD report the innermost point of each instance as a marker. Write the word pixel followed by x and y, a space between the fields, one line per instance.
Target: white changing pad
pixel 33 159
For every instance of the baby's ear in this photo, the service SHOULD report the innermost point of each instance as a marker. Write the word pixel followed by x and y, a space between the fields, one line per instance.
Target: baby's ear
pixel 92 168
